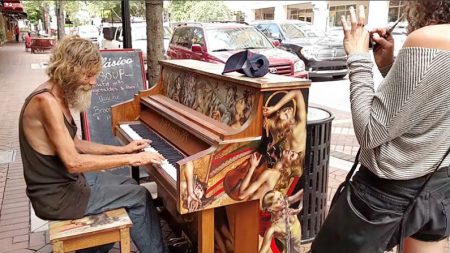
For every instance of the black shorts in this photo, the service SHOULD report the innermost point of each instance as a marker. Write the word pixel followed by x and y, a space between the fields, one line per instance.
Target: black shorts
pixel 429 219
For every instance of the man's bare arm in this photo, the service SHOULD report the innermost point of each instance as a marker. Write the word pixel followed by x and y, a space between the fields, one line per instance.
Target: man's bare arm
pixel 87 147
pixel 52 120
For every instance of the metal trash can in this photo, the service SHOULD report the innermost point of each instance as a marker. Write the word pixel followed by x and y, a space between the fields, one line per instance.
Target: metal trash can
pixel 315 176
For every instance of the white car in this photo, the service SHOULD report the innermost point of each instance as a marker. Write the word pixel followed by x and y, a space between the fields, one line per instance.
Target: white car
pixel 90 32
pixel 138 37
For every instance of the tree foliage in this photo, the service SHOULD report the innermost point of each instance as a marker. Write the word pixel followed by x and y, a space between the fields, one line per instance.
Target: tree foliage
pixel 106 9
pixel 202 11
pixel 35 8
pixel 112 9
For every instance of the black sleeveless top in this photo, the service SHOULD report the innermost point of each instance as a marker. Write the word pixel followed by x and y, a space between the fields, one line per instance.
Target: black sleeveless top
pixel 54 193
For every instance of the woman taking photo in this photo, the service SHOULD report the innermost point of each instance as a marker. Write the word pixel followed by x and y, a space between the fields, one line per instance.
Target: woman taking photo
pixel 403 129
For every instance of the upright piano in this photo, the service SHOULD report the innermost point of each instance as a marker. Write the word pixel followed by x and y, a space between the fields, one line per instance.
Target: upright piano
pixel 207 126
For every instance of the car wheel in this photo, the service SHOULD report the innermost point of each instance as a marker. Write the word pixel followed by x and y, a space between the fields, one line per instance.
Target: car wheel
pixel 339 76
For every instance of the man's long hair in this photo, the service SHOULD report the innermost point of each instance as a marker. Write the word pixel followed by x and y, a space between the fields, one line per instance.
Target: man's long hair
pixel 71 60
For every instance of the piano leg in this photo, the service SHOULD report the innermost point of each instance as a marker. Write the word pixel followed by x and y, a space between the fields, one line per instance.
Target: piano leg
pixel 206 231
pixel 244 223
pixel 135 173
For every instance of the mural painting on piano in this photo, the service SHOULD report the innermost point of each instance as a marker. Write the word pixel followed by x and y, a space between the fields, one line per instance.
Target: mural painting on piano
pixel 229 104
pixel 205 183
pixel 267 169
pixel 284 145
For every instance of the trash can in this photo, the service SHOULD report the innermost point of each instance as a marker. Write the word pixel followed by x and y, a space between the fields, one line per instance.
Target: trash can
pixel 315 176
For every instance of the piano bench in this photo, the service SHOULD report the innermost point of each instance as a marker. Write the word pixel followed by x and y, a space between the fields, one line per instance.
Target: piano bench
pixel 89 231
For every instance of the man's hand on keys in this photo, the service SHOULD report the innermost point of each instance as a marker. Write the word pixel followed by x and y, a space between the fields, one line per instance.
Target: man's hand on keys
pixel 147 157
pixel 137 146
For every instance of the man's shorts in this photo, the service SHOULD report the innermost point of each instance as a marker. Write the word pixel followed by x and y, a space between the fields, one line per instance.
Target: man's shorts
pixel 429 219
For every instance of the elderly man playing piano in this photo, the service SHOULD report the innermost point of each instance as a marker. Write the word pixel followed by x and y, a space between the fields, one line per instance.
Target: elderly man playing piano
pixel 55 160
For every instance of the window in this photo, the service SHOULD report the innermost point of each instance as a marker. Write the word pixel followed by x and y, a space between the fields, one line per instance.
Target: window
pixel 265 14
pixel 292 31
pixel 300 14
pixel 182 37
pixel 238 38
pixel 337 11
pixel 395 10
pixel 197 37
pixel 270 30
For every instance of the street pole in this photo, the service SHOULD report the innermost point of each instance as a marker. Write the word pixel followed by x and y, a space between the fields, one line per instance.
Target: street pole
pixel 126 25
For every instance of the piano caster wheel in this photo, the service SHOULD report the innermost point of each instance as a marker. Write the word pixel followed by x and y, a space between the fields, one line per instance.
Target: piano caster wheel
pixel 158 202
pixel 179 245
pixel 176 240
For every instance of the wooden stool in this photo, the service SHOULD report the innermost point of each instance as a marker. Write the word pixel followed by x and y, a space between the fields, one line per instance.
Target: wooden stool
pixel 108 227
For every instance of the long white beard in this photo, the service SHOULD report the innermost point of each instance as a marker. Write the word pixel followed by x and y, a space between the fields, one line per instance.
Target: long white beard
pixel 82 99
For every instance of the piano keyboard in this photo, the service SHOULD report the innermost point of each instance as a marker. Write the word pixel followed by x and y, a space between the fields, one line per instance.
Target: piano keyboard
pixel 138 132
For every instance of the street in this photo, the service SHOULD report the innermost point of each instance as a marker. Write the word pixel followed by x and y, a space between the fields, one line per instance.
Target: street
pixel 335 93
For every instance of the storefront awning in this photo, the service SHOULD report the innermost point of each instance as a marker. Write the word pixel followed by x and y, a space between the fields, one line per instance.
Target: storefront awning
pixel 13 9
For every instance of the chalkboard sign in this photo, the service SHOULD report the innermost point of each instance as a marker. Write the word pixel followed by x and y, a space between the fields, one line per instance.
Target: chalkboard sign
pixel 121 78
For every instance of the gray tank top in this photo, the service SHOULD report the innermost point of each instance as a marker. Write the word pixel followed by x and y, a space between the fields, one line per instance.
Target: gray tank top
pixel 54 193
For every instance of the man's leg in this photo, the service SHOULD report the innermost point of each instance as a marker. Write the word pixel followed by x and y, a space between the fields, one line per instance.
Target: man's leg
pixel 109 191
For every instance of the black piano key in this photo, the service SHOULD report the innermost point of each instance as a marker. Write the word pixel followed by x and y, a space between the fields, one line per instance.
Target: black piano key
pixel 162 146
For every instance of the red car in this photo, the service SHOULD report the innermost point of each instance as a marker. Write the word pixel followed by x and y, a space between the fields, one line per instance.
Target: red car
pixel 216 42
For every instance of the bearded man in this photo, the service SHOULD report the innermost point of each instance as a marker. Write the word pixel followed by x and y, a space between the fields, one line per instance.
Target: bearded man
pixel 55 159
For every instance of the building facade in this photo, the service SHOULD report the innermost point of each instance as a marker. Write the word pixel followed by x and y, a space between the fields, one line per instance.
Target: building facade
pixel 322 14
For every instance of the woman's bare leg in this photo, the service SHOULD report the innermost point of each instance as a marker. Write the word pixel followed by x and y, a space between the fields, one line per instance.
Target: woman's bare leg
pixel 416 246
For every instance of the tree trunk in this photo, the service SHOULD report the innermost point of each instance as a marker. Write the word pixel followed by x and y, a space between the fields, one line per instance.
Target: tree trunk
pixel 46 19
pixel 60 18
pixel 155 45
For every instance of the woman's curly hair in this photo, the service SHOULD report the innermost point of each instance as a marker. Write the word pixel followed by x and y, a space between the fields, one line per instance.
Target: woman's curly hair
pixel 420 13
pixel 72 58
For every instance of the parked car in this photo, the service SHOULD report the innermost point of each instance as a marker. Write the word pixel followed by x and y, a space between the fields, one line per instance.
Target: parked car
pixel 323 55
pixel 114 37
pixel 90 32
pixel 336 33
pixel 216 42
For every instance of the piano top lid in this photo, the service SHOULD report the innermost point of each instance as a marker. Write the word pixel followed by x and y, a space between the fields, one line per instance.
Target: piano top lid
pixel 269 81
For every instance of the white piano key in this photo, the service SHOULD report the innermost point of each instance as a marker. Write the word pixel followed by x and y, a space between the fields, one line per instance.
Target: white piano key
pixel 128 130
pixel 150 149
pixel 170 169
pixel 165 165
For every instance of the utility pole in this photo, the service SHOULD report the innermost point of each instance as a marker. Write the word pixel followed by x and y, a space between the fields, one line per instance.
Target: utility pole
pixel 126 24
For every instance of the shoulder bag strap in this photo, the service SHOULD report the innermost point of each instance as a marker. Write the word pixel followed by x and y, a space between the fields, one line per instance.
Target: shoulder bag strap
pixel 410 206
pixel 347 179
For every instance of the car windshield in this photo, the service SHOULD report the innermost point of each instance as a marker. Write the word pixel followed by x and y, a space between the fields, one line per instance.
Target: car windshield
pixel 229 39
pixel 310 31
pixel 294 31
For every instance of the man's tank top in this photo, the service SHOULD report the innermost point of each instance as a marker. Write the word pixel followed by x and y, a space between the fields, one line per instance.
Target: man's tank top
pixel 54 193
